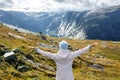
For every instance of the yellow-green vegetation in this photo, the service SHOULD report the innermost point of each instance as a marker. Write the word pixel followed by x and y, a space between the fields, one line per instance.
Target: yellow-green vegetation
pixel 106 55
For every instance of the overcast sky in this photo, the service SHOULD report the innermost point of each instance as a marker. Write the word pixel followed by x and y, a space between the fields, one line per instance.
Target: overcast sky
pixel 55 5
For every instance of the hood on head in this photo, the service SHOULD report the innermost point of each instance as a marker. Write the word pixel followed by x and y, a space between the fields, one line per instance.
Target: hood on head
pixel 63 45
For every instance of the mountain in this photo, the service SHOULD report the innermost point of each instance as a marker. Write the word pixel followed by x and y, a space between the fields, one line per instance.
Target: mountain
pixel 103 24
pixel 62 24
pixel 19 62
pixel 95 24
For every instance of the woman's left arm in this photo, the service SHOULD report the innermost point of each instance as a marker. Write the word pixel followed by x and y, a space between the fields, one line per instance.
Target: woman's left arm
pixel 81 51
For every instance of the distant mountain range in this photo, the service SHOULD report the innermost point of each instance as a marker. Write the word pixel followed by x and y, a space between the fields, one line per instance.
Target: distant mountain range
pixel 101 24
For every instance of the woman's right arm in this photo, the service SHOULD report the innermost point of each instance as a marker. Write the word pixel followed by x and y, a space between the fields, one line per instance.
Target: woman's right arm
pixel 47 54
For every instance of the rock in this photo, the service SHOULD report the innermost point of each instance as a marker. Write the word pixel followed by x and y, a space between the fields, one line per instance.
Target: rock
pixel 20 62
pixel 16 30
pixel 10 57
pixel 40 33
pixel 16 50
pixel 3 49
pixel 23 47
pixel 77 49
pixel 48 46
pixel 2 45
pixel 23 68
pixel 97 66
pixel 70 47
pixel 51 41
pixel 100 56
pixel 47 67
pixel 16 74
pixel 104 44
pixel 8 54
pixel 16 36
pixel 29 57
pixel 75 64
pixel 56 43
pixel 43 38
pixel 2 52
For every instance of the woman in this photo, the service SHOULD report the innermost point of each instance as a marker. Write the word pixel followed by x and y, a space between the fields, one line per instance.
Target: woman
pixel 64 59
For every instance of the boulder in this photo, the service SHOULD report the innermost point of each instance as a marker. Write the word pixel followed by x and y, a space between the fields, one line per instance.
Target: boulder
pixel 48 46
pixel 51 41
pixel 96 66
pixel 10 57
pixel 70 47
pixel 16 30
pixel 3 49
pixel 2 52
pixel 23 68
pixel 28 56
pixel 40 33
pixel 8 54
pixel 16 74
pixel 43 38
pixel 16 50
pixel 2 45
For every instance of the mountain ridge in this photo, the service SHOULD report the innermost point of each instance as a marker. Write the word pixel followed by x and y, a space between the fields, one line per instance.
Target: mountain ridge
pixel 94 24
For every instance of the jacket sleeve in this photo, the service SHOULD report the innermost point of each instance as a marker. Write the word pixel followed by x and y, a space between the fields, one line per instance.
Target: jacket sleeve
pixel 47 54
pixel 81 51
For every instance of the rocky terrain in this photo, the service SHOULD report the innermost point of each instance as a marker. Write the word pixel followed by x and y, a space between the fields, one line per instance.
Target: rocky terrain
pixel 18 62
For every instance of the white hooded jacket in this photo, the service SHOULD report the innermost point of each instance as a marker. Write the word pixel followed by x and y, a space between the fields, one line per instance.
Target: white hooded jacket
pixel 64 59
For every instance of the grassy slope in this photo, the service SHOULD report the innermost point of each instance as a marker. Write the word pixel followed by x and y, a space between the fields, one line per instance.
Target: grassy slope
pixel 111 61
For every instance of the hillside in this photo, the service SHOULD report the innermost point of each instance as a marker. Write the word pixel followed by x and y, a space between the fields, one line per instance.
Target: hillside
pixel 101 63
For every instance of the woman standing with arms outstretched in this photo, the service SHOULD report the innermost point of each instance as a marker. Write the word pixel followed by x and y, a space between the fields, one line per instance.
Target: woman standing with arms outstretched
pixel 64 59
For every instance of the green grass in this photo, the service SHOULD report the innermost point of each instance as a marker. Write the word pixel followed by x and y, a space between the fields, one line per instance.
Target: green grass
pixel 111 62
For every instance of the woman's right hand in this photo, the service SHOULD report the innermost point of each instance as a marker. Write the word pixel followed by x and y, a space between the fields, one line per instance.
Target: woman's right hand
pixel 94 44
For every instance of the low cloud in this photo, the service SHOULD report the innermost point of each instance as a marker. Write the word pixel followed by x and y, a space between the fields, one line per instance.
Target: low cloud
pixel 55 5
pixel 5 3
